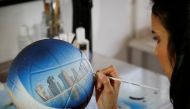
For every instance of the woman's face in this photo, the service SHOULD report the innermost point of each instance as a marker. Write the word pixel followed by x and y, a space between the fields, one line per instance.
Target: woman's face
pixel 161 36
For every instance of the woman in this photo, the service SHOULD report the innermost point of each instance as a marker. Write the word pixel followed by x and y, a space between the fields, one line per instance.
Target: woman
pixel 171 26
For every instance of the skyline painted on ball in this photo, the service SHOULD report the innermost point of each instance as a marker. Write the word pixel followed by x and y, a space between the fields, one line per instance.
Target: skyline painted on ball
pixel 54 73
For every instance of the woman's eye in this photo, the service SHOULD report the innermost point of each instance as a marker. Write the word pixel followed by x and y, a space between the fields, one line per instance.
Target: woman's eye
pixel 155 38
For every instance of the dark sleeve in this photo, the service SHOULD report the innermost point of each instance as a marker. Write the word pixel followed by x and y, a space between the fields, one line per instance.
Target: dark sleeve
pixel 188 104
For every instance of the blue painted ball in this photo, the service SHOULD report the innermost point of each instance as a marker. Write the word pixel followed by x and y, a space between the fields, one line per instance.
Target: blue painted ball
pixel 50 74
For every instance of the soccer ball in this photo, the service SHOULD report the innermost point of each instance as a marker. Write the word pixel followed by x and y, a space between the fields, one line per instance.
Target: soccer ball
pixel 50 74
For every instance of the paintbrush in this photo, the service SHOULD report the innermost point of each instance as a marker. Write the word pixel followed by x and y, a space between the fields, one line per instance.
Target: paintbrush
pixel 132 83
pixel 124 81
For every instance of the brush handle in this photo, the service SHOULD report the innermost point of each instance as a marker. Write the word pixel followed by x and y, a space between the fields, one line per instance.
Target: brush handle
pixel 136 84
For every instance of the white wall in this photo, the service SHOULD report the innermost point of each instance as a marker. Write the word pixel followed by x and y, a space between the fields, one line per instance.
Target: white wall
pixel 143 18
pixel 29 14
pixel 66 13
pixel 112 27
pixel 114 24
pixel 12 17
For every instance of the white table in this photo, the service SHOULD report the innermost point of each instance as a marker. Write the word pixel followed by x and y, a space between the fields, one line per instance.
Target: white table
pixel 141 98
pixel 144 98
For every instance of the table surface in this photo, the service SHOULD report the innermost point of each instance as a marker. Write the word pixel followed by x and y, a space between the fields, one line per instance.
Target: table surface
pixel 130 96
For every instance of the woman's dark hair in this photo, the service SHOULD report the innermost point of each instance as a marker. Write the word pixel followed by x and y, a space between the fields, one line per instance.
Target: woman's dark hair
pixel 175 18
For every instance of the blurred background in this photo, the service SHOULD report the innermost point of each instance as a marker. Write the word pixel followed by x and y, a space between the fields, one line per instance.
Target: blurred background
pixel 118 29
pixel 109 32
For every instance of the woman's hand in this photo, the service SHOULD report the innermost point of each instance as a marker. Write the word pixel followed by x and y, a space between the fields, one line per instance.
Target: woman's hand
pixel 106 89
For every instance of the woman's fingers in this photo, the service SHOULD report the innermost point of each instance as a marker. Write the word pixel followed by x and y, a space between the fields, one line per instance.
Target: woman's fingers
pixel 111 71
pixel 106 89
pixel 103 81
pixel 106 83
pixel 98 81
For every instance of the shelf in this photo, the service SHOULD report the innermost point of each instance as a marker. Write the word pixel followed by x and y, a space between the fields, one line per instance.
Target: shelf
pixel 145 44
